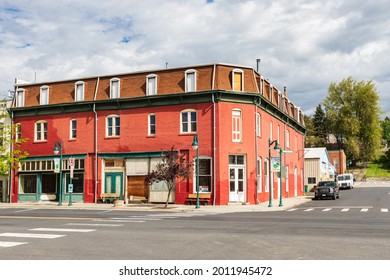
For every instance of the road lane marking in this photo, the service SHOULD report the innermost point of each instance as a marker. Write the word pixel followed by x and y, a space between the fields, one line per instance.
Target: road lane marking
pixel 364 210
pixel 94 225
pixel 308 210
pixel 26 210
pixel 290 210
pixel 384 210
pixel 123 221
pixel 49 218
pixel 345 210
pixel 30 235
pixel 63 229
pixel 326 209
pixel 4 244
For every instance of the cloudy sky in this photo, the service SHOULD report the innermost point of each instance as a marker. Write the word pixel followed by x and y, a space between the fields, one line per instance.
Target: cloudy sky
pixel 303 44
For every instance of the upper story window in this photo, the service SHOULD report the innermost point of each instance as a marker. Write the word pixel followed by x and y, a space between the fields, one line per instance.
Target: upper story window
pixel 151 84
pixel 18 131
pixel 190 80
pixel 258 125
pixel 270 131
pixel 44 95
pixel 238 79
pixel 152 125
pixel 287 139
pixel 115 88
pixel 113 126
pixel 41 131
pixel 236 125
pixel 79 91
pixel 73 129
pixel 188 120
pixel 20 98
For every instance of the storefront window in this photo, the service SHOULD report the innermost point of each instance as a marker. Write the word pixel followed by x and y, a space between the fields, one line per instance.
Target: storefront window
pixel 77 181
pixel 27 184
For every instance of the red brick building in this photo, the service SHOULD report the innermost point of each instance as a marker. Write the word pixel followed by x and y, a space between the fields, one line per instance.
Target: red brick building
pixel 117 127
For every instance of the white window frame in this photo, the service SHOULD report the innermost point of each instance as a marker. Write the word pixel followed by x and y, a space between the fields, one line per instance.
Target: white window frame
pixel 242 79
pixel 40 131
pixel 73 128
pixel 236 123
pixel 258 125
pixel 151 79
pixel 190 85
pixel 44 95
pixel 114 127
pixel 266 175
pixel 259 167
pixel 211 175
pixel 79 96
pixel 150 124
pixel 18 131
pixel 115 93
pixel 189 122
pixel 287 138
pixel 20 98
pixel 270 131
pixel 279 135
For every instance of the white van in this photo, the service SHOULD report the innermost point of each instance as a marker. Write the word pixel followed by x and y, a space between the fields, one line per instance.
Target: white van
pixel 345 181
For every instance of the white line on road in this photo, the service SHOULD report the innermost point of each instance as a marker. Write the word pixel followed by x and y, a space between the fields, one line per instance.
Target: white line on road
pixel 290 210
pixel 384 210
pixel 123 221
pixel 29 235
pixel 364 210
pixel 94 225
pixel 26 210
pixel 345 210
pixel 308 210
pixel 63 229
pixel 10 244
pixel 327 209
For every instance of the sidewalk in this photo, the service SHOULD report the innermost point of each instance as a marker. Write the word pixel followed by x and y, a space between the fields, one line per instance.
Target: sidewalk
pixel 262 207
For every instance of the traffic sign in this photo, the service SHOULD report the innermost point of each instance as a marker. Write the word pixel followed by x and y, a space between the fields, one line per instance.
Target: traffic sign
pixel 71 162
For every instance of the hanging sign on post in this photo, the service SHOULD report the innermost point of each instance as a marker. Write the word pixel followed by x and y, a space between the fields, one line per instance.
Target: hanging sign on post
pixel 275 164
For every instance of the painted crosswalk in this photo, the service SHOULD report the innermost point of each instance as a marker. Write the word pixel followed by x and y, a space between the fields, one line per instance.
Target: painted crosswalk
pixel 6 244
pixel 341 209
pixel 30 235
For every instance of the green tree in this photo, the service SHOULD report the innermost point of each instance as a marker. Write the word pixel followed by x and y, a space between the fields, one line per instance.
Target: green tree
pixel 320 125
pixel 353 115
pixel 10 159
pixel 173 167
pixel 385 124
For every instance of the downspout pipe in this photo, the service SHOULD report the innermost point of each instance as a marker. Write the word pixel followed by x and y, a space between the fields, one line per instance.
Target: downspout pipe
pixel 96 141
pixel 214 141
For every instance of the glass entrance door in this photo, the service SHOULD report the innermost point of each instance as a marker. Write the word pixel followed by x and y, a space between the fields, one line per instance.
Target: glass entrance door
pixel 236 182
pixel 114 183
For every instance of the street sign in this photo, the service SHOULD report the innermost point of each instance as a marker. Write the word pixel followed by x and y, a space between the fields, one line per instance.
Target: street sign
pixel 70 188
pixel 56 165
pixel 71 162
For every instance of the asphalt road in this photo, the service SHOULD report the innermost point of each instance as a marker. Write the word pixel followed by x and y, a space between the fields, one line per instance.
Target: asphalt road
pixel 356 226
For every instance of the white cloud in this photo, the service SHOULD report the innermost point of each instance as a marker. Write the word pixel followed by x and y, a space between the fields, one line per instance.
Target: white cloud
pixel 304 45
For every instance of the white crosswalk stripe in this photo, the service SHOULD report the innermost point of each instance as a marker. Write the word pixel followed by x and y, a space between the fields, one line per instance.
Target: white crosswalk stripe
pixel 30 235
pixel 345 210
pixel 308 210
pixel 384 210
pixel 364 210
pixel 4 244
pixel 63 229
pixel 94 225
pixel 327 209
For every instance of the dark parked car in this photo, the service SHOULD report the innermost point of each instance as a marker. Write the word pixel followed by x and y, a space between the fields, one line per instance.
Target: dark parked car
pixel 327 189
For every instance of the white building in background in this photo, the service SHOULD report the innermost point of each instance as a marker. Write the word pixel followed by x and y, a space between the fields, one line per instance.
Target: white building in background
pixel 317 166
pixel 5 121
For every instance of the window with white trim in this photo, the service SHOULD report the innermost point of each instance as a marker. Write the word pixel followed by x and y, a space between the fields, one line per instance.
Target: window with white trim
pixel 44 95
pixel 236 125
pixel 258 125
pixel 190 80
pixel 20 98
pixel 151 84
pixel 152 124
pixel 73 129
pixel 266 175
pixel 115 87
pixel 259 173
pixel 41 131
pixel 113 126
pixel 287 138
pixel 204 174
pixel 238 79
pixel 18 131
pixel 188 121
pixel 79 88
pixel 270 131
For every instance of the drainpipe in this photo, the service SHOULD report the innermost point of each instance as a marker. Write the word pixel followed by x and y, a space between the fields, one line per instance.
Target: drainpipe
pixel 96 141
pixel 214 142
pixel 256 155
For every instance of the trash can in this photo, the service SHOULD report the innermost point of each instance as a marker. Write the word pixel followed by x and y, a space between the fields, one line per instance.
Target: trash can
pixel 306 188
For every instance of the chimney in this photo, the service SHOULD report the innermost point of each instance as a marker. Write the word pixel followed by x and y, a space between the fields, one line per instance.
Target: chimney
pixel 285 92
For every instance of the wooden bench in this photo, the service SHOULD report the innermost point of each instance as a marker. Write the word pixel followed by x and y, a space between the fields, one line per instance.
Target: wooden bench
pixel 204 198
pixel 108 197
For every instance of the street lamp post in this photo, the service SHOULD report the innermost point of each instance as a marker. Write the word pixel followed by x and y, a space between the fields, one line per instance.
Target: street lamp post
pixel 195 146
pixel 269 168
pixel 58 149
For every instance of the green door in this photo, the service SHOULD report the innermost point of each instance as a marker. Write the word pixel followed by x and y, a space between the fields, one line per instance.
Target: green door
pixel 113 183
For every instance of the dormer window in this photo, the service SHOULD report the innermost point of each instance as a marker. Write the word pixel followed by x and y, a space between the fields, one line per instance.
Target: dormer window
pixel 151 84
pixel 19 98
pixel 115 88
pixel 238 79
pixel 190 80
pixel 44 95
pixel 79 91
